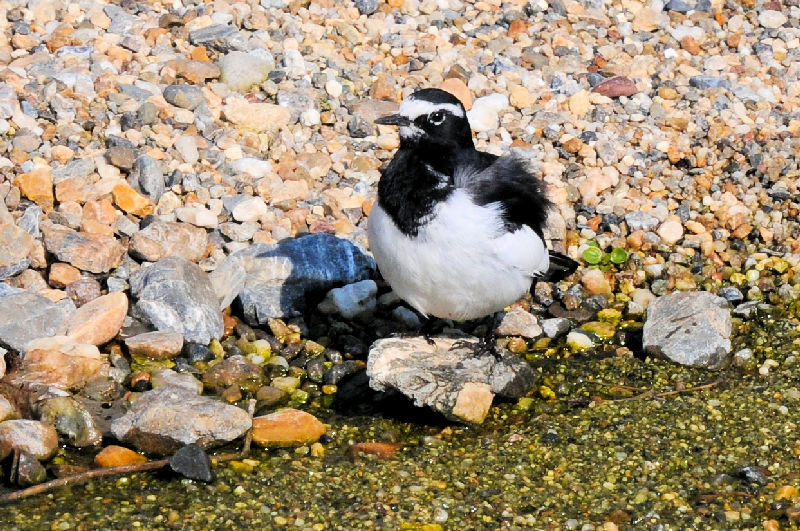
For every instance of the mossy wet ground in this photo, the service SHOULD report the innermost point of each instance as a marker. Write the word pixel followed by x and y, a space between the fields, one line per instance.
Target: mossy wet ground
pixel 621 438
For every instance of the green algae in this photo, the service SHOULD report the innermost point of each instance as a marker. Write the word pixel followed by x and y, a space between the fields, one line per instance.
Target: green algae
pixel 639 442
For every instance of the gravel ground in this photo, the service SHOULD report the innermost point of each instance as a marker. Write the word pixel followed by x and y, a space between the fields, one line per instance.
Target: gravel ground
pixel 667 135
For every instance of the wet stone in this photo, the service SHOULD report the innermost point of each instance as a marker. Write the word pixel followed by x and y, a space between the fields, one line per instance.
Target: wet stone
pixel 690 328
pixel 339 371
pixel 71 420
pixel 287 427
pixel 170 378
pixel 29 471
pixel 195 352
pixel 60 362
pixel 556 327
pixel 155 345
pixel 277 277
pixel 33 437
pixel 192 462
pixel 163 420
pixel 236 370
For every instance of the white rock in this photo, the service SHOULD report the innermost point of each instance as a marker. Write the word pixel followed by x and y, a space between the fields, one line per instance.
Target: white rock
pixel 249 209
pixel 254 167
pixel 671 231
pixel 197 216
pixel 772 19
pixel 519 323
pixel 333 88
pixel 242 70
pixel 578 340
pixel 310 117
pixel 351 301
pixel 187 147
pixel 485 113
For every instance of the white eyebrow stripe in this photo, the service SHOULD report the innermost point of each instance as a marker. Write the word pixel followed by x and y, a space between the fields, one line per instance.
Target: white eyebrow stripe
pixel 411 108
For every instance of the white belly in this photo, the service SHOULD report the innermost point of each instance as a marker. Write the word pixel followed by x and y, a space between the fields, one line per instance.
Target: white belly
pixel 462 265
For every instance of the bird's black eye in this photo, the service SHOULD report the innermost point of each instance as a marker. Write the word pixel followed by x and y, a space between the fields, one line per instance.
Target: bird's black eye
pixel 436 118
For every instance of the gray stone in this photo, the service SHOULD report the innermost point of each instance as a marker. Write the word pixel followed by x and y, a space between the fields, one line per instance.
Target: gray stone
pixel 163 420
pixel 30 220
pixel 447 376
pixel 519 323
pixel 25 316
pixel 406 317
pixel 175 294
pixel 277 277
pixel 556 327
pixel 76 168
pixel 15 248
pixel 366 7
pixel 122 22
pixel 184 96
pixel 638 220
pixel 242 70
pixel 690 328
pixel 170 378
pixel 220 37
pixel 353 301
pixel 704 82
pixel 149 177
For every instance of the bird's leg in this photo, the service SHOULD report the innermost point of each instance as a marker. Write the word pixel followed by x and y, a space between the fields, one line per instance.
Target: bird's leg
pixel 486 343
pixel 427 330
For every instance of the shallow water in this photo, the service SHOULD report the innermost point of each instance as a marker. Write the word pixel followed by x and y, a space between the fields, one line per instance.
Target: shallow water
pixel 616 443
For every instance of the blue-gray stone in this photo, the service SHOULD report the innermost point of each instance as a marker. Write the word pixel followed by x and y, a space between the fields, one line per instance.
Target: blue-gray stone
pixel 30 220
pixel 680 6
pixel 366 7
pixel 731 294
pixel 122 22
pixel 704 82
pixel 25 316
pixel 76 168
pixel 150 177
pixel 175 294
pixel 272 280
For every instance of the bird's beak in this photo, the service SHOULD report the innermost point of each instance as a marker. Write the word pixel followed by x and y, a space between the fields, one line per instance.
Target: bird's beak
pixel 393 119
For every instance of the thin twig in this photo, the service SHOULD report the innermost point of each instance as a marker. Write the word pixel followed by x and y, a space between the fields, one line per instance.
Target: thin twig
pixel 83 477
pixel 650 393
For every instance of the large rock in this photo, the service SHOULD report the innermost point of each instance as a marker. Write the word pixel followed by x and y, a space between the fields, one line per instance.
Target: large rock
pixel 447 376
pixel 99 320
pixel 163 420
pixel 163 238
pixel 174 294
pixel 272 280
pixel 96 253
pixel 60 362
pixel 25 316
pixel 690 328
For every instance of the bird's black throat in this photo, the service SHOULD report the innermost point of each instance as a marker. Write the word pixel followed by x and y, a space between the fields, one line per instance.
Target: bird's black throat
pixel 411 185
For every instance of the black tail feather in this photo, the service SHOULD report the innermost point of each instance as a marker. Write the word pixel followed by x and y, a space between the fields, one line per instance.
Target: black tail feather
pixel 561 266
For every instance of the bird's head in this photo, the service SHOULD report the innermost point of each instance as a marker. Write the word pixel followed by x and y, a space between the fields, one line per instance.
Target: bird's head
pixel 431 116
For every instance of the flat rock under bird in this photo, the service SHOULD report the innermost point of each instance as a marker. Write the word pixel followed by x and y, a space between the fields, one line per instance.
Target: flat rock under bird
pixel 457 232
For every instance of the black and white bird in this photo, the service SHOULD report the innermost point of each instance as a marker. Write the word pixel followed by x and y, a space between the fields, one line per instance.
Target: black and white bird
pixel 457 232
